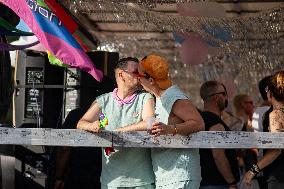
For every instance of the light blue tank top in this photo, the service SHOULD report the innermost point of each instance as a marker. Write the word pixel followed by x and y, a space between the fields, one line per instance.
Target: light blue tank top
pixel 126 167
pixel 173 165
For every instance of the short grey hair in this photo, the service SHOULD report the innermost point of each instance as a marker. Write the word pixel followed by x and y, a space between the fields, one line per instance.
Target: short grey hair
pixel 208 88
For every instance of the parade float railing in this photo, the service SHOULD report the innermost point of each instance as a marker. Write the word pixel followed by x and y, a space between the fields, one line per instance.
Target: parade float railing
pixel 76 137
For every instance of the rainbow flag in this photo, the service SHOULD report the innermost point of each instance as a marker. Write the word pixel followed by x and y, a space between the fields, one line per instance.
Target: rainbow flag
pixel 70 24
pixel 52 34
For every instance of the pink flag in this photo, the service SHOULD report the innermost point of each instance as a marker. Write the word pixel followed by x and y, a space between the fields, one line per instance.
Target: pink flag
pixel 52 34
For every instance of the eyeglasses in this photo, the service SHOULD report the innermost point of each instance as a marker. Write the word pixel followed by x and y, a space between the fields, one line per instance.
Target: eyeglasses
pixel 249 102
pixel 223 93
pixel 135 72
pixel 266 89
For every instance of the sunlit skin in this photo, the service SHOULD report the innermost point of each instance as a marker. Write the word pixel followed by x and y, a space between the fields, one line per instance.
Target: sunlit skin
pixel 276 123
pixel 127 83
pixel 248 106
pixel 184 115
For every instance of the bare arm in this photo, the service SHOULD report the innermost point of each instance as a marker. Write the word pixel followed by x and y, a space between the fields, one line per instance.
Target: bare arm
pixel 148 111
pixel 193 121
pixel 275 123
pixel 221 160
pixel 62 157
pixel 185 111
pixel 90 120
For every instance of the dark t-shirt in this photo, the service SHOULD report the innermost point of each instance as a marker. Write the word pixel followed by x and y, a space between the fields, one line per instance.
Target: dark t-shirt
pixel 209 171
pixel 276 168
pixel 84 164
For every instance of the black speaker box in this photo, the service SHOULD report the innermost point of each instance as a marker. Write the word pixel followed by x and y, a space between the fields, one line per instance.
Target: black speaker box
pixel 39 92
pixel 43 91
pixel 89 87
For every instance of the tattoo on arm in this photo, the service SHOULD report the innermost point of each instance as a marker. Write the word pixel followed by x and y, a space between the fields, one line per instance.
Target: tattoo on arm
pixel 276 120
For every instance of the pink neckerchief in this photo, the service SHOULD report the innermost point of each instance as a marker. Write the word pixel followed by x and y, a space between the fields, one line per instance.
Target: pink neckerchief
pixel 127 100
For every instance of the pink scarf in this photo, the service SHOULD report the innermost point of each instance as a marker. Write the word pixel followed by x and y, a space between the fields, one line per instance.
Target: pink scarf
pixel 127 100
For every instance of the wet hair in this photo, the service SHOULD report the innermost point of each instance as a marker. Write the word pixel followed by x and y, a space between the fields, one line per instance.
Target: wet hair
pixel 208 88
pixel 276 86
pixel 262 85
pixel 122 63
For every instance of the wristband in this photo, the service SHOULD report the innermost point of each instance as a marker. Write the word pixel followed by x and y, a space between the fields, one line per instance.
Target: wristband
pixel 175 130
pixel 255 169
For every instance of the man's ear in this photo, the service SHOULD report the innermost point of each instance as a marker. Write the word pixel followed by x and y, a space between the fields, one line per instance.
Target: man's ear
pixel 216 97
pixel 120 75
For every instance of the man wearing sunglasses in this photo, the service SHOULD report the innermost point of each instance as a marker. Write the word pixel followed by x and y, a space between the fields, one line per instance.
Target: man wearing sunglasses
pixel 219 167
pixel 126 109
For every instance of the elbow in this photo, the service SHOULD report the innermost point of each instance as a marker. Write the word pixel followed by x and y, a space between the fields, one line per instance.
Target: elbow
pixel 278 152
pixel 201 125
pixel 79 124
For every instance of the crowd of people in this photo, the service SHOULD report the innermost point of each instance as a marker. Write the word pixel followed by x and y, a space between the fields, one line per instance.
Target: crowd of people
pixel 145 92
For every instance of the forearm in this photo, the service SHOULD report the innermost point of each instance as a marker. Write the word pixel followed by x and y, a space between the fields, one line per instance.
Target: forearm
pixel 189 127
pixel 141 126
pixel 90 120
pixel 268 158
pixel 271 155
pixel 61 161
pixel 224 168
pixel 83 124
pixel 88 126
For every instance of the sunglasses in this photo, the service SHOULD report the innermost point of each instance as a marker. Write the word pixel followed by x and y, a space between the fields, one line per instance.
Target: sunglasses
pixel 223 93
pixel 135 72
pixel 249 102
pixel 266 89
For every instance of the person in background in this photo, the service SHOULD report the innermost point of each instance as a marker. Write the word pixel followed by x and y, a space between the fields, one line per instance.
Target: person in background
pixel 70 171
pixel 234 123
pixel 272 162
pixel 219 167
pixel 243 105
pixel 125 107
pixel 264 106
pixel 174 168
pixel 260 121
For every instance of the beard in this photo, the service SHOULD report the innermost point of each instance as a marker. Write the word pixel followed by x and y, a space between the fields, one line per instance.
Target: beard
pixel 137 87
pixel 222 105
